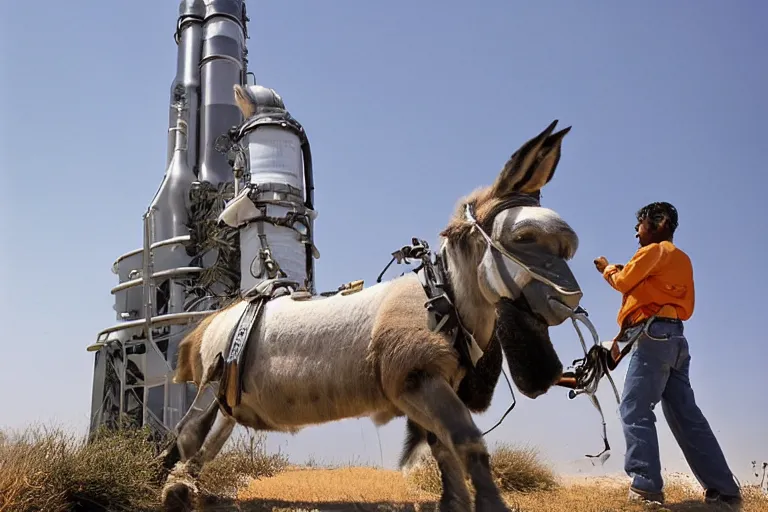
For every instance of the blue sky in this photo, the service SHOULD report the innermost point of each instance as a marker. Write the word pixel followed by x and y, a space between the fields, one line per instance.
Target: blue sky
pixel 408 106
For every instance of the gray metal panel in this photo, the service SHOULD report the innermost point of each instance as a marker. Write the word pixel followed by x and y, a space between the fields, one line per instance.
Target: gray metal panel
pixel 105 396
pixel 222 67
pixel 129 301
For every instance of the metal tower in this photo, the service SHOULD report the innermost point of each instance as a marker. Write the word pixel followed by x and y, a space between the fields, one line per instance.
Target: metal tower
pixel 200 246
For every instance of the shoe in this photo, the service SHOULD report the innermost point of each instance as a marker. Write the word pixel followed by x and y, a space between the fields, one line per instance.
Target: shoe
pixel 713 497
pixel 636 494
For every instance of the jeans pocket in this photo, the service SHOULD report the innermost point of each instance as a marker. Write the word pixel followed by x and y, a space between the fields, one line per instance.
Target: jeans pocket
pixel 660 331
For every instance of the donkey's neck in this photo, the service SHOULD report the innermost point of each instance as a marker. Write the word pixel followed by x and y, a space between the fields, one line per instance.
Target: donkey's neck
pixel 477 314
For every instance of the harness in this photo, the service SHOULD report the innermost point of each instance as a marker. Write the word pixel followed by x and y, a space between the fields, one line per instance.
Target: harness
pixel 442 313
pixel 231 382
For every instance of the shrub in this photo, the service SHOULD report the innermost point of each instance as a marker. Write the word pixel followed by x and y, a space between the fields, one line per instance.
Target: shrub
pixel 45 469
pixel 49 469
pixel 513 469
pixel 520 470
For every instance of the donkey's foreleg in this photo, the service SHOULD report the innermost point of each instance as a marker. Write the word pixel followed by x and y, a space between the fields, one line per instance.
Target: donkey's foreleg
pixel 194 432
pixel 433 404
pixel 214 442
pixel 190 432
pixel 181 490
pixel 455 496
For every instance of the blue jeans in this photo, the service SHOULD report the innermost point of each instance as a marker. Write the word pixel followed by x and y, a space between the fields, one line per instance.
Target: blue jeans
pixel 658 372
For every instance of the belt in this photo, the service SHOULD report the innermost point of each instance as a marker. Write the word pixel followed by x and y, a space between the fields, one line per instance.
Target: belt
pixel 660 319
pixel 642 315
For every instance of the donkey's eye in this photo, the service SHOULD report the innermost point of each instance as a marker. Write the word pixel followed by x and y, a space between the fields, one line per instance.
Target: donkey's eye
pixel 525 238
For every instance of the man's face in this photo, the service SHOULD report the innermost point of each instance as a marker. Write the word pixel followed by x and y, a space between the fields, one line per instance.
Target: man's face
pixel 644 232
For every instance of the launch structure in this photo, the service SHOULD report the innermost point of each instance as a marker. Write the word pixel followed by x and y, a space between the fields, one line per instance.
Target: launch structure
pixel 234 208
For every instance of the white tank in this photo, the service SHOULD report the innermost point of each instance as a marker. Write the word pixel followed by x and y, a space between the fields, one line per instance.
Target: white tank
pixel 285 249
pixel 274 155
pixel 276 168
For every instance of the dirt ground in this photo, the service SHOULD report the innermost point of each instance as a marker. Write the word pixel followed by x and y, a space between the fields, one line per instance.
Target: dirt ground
pixel 368 489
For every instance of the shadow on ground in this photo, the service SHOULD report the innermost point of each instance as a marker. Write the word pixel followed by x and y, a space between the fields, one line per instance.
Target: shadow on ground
pixel 259 505
pixel 693 506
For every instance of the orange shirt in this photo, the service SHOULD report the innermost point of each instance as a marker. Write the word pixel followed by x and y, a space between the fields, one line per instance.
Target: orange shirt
pixel 658 280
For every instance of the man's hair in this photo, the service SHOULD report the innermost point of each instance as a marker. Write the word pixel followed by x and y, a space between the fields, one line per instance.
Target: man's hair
pixel 658 211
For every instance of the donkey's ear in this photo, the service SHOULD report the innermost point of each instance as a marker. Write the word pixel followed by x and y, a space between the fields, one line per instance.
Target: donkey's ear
pixel 244 101
pixel 533 165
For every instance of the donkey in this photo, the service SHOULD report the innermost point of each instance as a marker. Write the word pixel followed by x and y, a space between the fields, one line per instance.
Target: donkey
pixel 372 353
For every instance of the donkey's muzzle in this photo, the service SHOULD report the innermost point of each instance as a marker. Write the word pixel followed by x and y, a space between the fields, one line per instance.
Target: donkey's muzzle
pixel 549 304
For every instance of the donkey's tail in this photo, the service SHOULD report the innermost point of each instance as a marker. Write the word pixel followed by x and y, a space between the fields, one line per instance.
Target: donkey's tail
pixel 189 364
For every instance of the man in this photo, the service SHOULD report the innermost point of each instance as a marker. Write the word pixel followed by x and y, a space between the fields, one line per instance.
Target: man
pixel 657 286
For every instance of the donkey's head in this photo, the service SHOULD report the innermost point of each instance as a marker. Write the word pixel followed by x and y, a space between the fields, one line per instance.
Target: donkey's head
pixel 506 256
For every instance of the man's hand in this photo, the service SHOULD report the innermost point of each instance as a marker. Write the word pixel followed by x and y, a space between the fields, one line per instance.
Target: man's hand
pixel 601 263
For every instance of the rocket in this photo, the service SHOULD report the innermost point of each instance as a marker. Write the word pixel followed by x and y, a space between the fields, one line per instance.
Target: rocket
pixel 235 206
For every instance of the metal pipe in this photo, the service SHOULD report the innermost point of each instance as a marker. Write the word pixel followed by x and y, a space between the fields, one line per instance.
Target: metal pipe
pixel 173 272
pixel 221 67
pixel 159 321
pixel 146 274
pixel 186 84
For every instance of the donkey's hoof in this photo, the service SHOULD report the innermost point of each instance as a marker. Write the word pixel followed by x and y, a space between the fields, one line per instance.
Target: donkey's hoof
pixel 178 497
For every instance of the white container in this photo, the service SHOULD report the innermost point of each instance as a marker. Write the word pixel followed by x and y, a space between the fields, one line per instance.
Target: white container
pixel 275 157
pixel 284 245
pixel 275 162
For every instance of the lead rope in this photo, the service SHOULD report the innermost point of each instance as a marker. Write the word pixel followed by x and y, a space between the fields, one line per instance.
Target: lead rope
pixel 596 370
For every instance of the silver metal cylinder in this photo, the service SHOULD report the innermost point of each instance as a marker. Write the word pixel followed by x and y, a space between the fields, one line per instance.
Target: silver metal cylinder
pixel 222 66
pixel 172 197
pixel 189 39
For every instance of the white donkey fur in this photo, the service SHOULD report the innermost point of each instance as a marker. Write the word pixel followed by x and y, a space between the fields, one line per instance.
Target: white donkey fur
pixel 308 358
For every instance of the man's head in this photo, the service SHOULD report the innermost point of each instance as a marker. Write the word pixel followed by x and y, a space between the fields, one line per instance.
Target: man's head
pixel 656 222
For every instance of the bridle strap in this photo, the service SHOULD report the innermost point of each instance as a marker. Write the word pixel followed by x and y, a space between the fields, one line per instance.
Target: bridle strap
pixel 515 200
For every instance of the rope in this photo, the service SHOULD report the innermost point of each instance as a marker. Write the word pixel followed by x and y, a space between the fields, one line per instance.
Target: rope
pixel 514 402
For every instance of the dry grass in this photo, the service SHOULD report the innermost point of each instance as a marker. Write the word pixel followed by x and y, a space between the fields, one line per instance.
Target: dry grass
pixel 375 490
pixel 235 466
pixel 514 469
pixel 338 485
pixel 589 497
pixel 521 470
pixel 530 485
pixel 48 469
